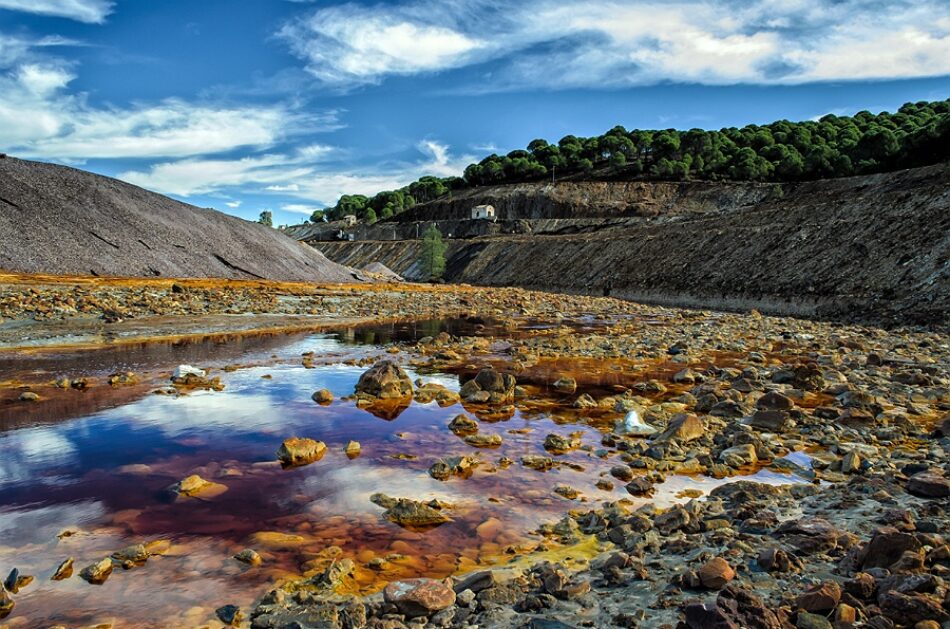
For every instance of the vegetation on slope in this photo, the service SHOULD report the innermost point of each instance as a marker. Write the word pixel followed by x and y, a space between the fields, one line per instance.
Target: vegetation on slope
pixel 918 134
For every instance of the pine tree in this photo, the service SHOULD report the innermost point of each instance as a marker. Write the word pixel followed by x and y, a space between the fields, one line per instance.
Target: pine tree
pixel 433 254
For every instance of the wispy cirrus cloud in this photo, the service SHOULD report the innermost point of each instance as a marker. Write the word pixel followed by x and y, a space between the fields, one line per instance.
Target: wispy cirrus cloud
pixel 609 43
pixel 89 11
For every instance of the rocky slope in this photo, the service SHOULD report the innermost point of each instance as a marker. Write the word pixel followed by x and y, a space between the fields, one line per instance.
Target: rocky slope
pixel 864 249
pixel 60 220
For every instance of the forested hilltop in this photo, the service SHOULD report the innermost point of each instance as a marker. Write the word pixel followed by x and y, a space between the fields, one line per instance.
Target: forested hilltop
pixel 918 134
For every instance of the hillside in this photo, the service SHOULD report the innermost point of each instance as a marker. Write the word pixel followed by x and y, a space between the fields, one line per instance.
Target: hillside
pixel 874 248
pixel 916 135
pixel 60 220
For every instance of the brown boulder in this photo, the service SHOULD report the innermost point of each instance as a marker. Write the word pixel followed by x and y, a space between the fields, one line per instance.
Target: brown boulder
pixel 300 451
pixel 684 427
pixel 773 400
pixel 419 597
pixel 820 598
pixel 716 573
pixel 909 609
pixel 489 386
pixel 410 514
pixel 385 381
pixel 322 397
pixel 887 547
pixel 929 484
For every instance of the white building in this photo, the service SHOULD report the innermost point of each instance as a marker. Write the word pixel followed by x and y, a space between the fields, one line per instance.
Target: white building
pixel 483 212
pixel 349 220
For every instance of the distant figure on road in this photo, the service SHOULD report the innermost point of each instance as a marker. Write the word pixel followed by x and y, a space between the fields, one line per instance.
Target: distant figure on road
pixel 608 286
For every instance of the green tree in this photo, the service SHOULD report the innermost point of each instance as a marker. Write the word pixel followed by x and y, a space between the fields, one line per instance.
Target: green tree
pixel 433 254
pixel 784 151
pixel 317 216
pixel 266 218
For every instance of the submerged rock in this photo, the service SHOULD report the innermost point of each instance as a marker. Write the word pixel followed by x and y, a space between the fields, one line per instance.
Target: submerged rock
pixel 64 571
pixel 565 385
pixel 433 392
pixel 322 397
pixel 384 381
pixel 297 451
pixel 463 466
pixel 230 615
pixel 136 554
pixel 411 513
pixel 489 387
pixel 16 581
pixel 194 486
pixel 6 604
pixel 538 462
pixel 484 440
pixel 98 572
pixel 462 425
pixel 560 444
pixel 249 556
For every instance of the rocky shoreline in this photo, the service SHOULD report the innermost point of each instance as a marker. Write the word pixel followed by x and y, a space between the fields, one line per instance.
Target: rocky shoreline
pixel 857 540
pixel 855 418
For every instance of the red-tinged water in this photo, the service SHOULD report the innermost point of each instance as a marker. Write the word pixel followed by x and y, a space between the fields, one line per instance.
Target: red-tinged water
pixel 100 468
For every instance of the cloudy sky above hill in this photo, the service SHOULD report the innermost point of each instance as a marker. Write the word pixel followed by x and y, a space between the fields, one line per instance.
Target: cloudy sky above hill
pixel 284 105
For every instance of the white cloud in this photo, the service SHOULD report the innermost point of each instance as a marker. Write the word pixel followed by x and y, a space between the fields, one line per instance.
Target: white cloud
pixel 39 117
pixel 202 176
pixel 317 185
pixel 442 164
pixel 300 208
pixel 610 43
pixel 350 45
pixel 291 187
pixel 90 11
pixel 233 204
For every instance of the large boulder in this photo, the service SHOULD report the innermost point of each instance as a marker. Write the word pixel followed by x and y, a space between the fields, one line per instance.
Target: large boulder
pixel 489 387
pixel 929 484
pixel 419 597
pixel 411 514
pixel 300 451
pixel 684 427
pixel 384 381
pixel 716 573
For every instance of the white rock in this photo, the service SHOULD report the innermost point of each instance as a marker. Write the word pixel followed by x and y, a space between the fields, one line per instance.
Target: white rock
pixel 187 370
pixel 634 426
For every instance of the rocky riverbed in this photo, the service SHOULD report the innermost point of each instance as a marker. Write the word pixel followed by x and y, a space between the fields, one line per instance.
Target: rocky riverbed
pixel 697 469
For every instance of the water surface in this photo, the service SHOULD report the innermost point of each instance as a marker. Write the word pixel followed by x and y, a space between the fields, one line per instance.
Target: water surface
pixel 102 475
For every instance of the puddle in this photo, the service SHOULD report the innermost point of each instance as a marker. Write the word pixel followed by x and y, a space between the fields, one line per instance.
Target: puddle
pixel 103 473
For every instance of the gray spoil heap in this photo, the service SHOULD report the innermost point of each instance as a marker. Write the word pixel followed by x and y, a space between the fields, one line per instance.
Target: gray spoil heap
pixel 60 220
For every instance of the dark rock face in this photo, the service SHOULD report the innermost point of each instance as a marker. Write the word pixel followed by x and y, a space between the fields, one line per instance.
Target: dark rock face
pixel 762 256
pixel 60 220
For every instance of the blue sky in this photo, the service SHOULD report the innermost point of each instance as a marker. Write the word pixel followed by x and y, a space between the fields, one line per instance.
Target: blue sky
pixel 284 105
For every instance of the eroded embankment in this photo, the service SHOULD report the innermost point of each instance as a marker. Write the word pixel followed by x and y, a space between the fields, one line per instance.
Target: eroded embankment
pixel 864 249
